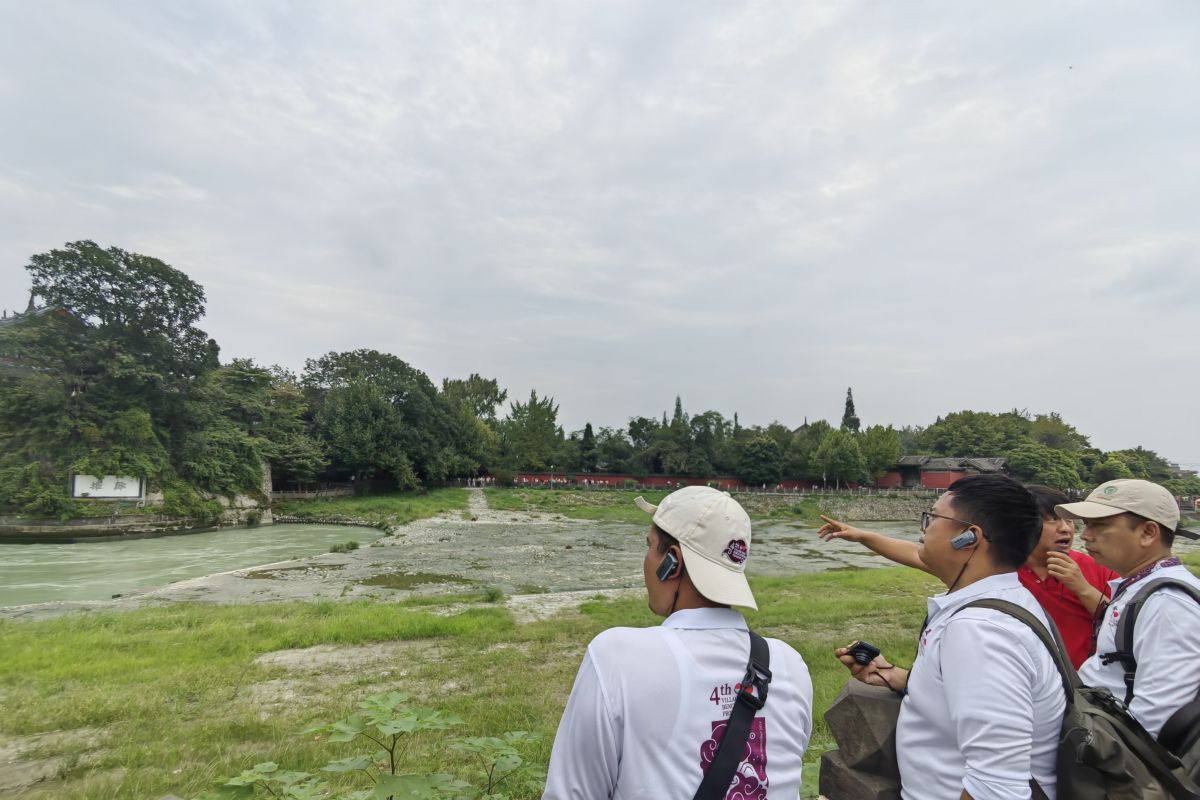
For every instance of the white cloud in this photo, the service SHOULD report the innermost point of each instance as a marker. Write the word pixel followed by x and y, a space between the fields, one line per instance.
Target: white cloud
pixel 944 207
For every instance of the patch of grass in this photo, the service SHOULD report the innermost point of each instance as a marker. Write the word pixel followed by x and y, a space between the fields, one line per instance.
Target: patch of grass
pixel 380 509
pixel 607 505
pixel 280 572
pixel 172 689
pixel 344 547
pixel 806 510
pixel 411 580
pixel 602 505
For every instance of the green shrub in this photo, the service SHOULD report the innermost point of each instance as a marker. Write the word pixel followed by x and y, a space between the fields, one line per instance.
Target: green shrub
pixel 34 490
pixel 181 500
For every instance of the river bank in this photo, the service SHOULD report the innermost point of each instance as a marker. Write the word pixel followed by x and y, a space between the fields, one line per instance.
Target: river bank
pixel 476 551
pixel 176 699
pixel 193 682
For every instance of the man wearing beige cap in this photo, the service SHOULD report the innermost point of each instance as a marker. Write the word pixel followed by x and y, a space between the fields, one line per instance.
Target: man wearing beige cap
pixel 1130 526
pixel 650 706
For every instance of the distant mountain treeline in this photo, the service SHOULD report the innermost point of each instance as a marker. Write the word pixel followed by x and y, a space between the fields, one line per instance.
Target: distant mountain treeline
pixel 111 376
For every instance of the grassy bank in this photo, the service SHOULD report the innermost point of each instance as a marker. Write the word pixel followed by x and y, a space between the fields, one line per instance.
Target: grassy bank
pixel 396 508
pixel 172 700
pixel 617 506
pixel 602 505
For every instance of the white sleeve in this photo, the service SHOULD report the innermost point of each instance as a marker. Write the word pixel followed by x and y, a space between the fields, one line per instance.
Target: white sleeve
pixel 1166 644
pixel 585 760
pixel 989 679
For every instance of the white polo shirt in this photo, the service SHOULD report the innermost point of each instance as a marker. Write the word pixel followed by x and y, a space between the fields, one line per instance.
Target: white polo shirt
pixel 984 704
pixel 648 702
pixel 1166 644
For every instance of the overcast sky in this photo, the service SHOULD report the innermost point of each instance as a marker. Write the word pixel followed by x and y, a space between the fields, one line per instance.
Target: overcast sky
pixel 751 205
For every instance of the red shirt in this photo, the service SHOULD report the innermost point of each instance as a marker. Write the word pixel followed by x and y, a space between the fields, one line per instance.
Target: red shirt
pixel 1073 620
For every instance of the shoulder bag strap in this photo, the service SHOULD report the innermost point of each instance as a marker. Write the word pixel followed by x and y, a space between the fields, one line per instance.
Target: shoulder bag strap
pixel 1050 637
pixel 752 695
pixel 1176 729
pixel 1125 628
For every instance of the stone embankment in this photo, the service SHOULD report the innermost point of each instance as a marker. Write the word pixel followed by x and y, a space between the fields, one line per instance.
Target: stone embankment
pixel 863 508
pixel 97 529
pixel 874 509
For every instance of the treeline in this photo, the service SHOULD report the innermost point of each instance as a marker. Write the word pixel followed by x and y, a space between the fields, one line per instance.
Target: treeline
pixel 1040 448
pixel 112 376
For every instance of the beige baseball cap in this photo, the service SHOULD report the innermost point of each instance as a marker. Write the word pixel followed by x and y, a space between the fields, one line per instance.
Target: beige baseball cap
pixel 1136 496
pixel 714 531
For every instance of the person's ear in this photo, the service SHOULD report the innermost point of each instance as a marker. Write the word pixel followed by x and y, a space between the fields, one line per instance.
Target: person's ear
pixel 678 557
pixel 671 566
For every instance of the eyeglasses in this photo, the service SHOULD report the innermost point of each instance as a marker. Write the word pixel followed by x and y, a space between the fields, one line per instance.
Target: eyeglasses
pixel 928 516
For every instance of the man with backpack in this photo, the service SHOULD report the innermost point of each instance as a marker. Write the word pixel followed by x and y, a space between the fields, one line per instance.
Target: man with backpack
pixel 1148 636
pixel 984 702
pixel 653 708
pixel 1068 584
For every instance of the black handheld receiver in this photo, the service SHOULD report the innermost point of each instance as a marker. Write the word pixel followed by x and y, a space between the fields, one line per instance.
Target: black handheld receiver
pixel 667 567
pixel 864 652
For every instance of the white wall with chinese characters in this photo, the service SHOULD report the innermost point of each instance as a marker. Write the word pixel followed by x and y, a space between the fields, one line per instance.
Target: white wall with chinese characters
pixel 117 487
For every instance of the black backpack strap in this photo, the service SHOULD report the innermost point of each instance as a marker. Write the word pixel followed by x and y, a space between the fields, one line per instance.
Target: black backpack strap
pixel 1050 637
pixel 1182 730
pixel 751 697
pixel 1125 628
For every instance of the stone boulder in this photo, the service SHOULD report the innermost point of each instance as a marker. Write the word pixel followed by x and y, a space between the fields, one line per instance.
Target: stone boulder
pixel 862 720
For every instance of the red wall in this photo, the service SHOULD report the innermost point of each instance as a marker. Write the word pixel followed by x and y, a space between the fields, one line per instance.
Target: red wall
pixel 940 480
pixel 649 481
pixel 890 480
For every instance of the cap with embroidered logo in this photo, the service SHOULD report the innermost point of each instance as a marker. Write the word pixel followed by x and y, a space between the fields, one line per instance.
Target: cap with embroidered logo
pixel 1131 495
pixel 714 532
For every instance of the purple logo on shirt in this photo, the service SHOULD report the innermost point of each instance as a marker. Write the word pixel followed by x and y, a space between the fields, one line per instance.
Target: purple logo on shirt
pixel 736 551
pixel 750 779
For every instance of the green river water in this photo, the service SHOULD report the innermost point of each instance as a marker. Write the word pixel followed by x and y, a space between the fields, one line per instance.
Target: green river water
pixel 40 573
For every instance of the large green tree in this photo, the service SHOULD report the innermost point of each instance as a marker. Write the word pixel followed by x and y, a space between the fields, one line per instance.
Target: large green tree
pixel 976 433
pixel 587 449
pixel 880 448
pixel 1052 431
pixel 112 376
pixel 613 450
pixel 147 307
pixel 801 456
pixel 530 433
pixel 1037 463
pixel 840 459
pixel 850 420
pixel 761 462
pixel 365 434
pixel 481 395
pixel 427 429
